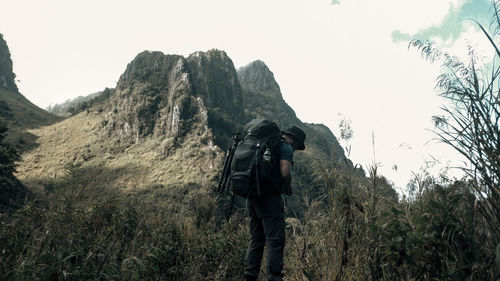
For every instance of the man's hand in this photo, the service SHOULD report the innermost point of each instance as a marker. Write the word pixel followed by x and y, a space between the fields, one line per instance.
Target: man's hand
pixel 286 174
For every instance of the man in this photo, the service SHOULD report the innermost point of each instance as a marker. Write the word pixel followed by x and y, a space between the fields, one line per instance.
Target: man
pixel 267 218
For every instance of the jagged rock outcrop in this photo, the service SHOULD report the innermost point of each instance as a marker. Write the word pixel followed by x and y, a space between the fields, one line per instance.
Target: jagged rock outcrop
pixel 169 96
pixel 7 76
pixel 256 77
pixel 153 97
pixel 262 95
pixel 215 80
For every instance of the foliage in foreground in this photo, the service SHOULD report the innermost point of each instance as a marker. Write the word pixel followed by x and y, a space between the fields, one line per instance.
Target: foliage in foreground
pixel 356 231
pixel 471 119
pixel 360 232
pixel 60 238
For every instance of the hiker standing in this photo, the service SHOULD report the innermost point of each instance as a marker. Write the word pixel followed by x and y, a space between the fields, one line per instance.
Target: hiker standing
pixel 267 214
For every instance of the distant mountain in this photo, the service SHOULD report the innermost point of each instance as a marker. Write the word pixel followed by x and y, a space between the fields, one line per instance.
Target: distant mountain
pixel 70 106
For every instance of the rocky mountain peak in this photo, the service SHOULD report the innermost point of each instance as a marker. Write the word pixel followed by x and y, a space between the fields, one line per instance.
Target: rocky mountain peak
pixel 257 77
pixel 154 67
pixel 170 96
pixel 7 76
pixel 262 96
pixel 153 97
pixel 214 79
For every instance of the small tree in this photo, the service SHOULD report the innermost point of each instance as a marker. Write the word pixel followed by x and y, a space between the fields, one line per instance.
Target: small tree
pixel 10 188
pixel 8 155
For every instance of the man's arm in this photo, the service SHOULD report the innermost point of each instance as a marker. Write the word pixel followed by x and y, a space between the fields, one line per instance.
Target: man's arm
pixel 286 174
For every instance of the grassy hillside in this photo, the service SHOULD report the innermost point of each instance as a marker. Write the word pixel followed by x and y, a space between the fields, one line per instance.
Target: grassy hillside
pixel 20 114
pixel 152 167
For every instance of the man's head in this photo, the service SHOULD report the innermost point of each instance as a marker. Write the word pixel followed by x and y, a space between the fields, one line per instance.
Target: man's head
pixel 297 137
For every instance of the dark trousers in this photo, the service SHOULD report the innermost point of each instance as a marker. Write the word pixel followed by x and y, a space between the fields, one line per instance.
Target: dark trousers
pixel 267 227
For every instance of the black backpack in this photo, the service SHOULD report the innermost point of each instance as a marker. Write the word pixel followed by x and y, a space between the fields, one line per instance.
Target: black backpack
pixel 252 163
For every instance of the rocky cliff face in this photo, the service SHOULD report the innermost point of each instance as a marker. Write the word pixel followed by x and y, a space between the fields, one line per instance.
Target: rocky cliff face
pixel 215 81
pixel 262 96
pixel 7 76
pixel 153 97
pixel 257 78
pixel 168 96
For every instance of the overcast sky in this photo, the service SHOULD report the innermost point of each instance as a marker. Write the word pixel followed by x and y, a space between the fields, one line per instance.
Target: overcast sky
pixel 332 59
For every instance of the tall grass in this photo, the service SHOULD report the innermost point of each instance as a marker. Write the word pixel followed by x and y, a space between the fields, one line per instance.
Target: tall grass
pixel 357 230
pixel 436 235
pixel 68 235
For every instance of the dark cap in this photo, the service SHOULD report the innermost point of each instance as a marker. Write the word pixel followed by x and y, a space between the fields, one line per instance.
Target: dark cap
pixel 298 135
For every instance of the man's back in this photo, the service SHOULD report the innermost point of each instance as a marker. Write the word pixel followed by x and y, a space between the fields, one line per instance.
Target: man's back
pixel 267 214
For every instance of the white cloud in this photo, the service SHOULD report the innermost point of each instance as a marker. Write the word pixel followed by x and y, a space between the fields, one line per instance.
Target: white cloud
pixel 473 37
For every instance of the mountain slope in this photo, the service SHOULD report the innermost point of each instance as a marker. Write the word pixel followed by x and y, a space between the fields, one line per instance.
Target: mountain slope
pixel 162 132
pixel 149 136
pixel 16 115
